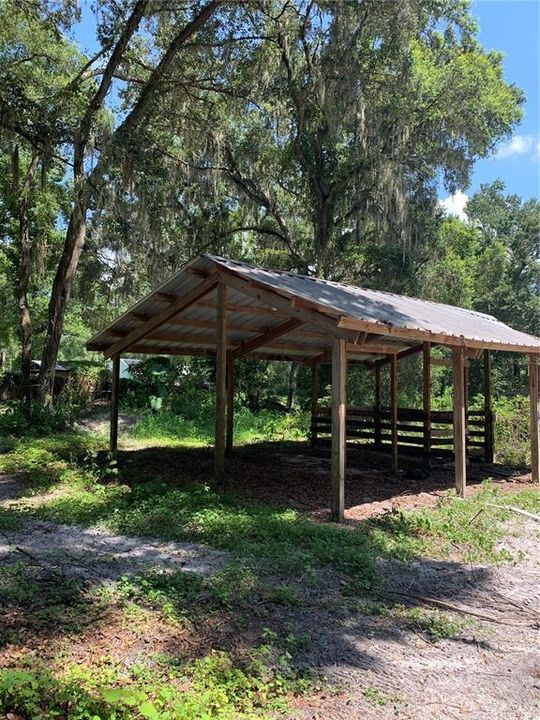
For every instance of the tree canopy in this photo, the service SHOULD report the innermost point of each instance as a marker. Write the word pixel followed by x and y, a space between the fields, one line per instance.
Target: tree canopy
pixel 310 135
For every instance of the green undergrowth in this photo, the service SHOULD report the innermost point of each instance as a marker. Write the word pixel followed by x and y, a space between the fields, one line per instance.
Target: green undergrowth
pixel 273 556
pixel 248 427
pixel 212 688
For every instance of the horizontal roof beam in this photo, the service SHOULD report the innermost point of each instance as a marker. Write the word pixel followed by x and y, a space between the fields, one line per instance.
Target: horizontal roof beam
pixel 433 337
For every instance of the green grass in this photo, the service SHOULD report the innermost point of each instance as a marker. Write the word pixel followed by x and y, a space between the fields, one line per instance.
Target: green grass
pixel 199 431
pixel 377 697
pixel 212 688
pixel 436 624
pixel 286 540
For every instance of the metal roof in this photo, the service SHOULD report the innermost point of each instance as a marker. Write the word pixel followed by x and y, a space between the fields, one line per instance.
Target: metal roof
pixel 374 323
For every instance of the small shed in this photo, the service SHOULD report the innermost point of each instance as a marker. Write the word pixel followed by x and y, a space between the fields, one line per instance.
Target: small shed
pixel 59 370
pixel 126 367
pixel 227 309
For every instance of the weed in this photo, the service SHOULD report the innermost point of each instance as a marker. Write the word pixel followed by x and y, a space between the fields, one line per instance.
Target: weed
pixel 437 625
pixel 375 696
pixel 212 688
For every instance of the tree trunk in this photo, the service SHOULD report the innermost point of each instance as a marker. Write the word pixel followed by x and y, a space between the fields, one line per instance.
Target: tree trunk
pixel 76 231
pixel 25 323
pixel 292 385
pixel 61 291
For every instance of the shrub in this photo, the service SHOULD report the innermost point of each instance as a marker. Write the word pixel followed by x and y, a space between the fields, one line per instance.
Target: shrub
pixel 41 421
pixel 512 432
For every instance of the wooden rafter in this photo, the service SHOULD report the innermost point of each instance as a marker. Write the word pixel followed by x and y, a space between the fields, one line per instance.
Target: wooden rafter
pixel 211 325
pixel 402 354
pixel 163 316
pixel 272 298
pixel 264 338
pixel 243 308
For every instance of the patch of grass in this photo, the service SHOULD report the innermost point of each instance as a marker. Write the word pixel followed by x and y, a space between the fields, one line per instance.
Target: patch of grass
pixel 469 530
pixel 175 595
pixel 199 430
pixel 436 624
pixel 269 549
pixel 258 536
pixel 212 688
pixel 375 696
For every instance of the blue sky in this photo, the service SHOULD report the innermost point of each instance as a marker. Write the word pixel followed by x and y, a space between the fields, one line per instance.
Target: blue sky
pixel 512 26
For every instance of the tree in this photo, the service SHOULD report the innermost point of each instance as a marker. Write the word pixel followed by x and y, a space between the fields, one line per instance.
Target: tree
pixel 351 113
pixel 491 263
pixel 119 33
pixel 34 65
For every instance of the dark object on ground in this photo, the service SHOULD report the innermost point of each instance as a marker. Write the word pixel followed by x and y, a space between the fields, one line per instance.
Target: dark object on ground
pixel 418 473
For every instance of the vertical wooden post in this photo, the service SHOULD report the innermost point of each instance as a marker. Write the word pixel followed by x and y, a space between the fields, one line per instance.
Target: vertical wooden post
pixel 229 436
pixel 466 403
pixel 426 397
pixel 339 413
pixel 115 393
pixel 488 412
pixel 314 402
pixel 394 410
pixel 221 382
pixel 377 405
pixel 535 414
pixel 459 420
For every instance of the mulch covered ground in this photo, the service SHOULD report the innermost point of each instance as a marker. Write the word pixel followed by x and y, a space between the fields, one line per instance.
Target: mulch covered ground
pixel 293 475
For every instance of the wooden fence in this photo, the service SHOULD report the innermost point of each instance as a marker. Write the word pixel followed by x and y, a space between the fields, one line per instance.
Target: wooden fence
pixel 419 433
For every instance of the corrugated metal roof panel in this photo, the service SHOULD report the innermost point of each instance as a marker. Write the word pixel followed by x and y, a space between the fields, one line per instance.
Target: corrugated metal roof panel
pixel 409 320
pixel 396 311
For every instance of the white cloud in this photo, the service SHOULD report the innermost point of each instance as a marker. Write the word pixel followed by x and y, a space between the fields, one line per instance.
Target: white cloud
pixel 538 150
pixel 455 205
pixel 516 146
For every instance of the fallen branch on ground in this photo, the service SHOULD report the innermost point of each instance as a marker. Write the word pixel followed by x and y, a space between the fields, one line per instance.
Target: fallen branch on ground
pixel 511 508
pixel 457 608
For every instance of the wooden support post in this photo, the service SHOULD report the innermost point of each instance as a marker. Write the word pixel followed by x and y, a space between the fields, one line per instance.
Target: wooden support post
pixel 535 414
pixel 339 413
pixel 221 382
pixel 394 411
pixel 489 437
pixel 426 397
pixel 115 393
pixel 459 420
pixel 229 439
pixel 314 401
pixel 466 403
pixel 377 405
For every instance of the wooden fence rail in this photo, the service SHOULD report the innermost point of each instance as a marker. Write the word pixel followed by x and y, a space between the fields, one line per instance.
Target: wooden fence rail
pixel 373 428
